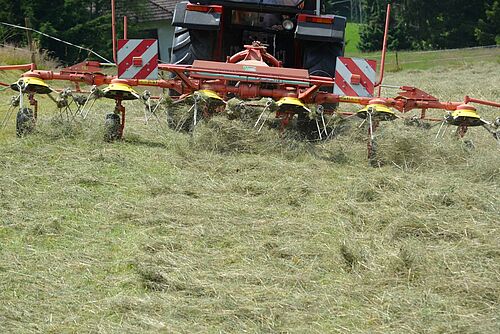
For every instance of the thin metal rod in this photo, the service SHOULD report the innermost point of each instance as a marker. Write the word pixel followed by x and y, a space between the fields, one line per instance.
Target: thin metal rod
pixel 384 50
pixel 113 28
pixel 125 27
pixel 260 117
pixel 263 122
pixel 146 118
pixel 484 102
pixel 439 130
pixel 7 116
pixel 324 124
pixel 319 130
pixel 20 96
pixel 195 111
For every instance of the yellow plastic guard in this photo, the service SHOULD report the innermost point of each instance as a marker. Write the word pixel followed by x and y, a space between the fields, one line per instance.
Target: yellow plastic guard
pixel 209 94
pixel 465 115
pixel 32 85
pixel 379 111
pixel 120 90
pixel 210 97
pixel 290 100
pixel 292 104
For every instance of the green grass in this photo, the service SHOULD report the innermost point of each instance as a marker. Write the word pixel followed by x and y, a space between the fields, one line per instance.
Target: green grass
pixel 12 55
pixel 411 60
pixel 228 230
pixel 352 38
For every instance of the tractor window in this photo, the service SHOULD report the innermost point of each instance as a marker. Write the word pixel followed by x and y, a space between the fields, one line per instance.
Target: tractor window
pixel 291 3
pixel 253 19
pixel 286 3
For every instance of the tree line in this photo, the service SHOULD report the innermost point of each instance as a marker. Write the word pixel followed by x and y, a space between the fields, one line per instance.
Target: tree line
pixel 82 22
pixel 415 25
pixel 431 24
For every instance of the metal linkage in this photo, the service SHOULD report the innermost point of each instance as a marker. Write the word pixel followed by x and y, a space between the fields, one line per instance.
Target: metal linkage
pixel 227 79
pixel 247 75
pixel 320 112
pixel 268 109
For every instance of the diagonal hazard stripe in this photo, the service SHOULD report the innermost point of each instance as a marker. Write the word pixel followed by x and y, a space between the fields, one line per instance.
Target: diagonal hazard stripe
pixel 370 71
pixel 346 74
pixel 368 67
pixel 138 48
pixel 153 75
pixel 135 71
pixel 125 48
pixel 364 70
pixel 344 89
pixel 146 72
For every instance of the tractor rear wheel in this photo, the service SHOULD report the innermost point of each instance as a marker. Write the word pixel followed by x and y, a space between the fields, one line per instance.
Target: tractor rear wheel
pixel 190 45
pixel 320 59
pixel 25 122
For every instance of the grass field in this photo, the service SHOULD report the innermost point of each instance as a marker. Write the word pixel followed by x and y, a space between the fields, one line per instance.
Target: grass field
pixel 352 38
pixel 410 60
pixel 231 231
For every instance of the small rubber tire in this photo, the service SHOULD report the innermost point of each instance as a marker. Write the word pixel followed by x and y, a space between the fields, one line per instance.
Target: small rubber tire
pixel 112 127
pixel 25 122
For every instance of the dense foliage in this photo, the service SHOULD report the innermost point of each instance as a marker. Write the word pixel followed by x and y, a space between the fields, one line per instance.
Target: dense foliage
pixel 431 24
pixel 84 22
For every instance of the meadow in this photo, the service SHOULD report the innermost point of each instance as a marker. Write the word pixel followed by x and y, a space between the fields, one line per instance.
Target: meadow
pixel 421 60
pixel 227 230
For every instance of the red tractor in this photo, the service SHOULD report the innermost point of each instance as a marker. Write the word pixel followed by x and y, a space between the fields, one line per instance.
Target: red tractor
pixel 296 32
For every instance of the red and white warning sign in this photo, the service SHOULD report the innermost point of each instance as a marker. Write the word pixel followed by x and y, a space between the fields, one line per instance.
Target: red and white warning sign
pixel 355 77
pixel 138 59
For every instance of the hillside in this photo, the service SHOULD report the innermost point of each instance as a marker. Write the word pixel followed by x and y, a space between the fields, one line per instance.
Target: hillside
pixel 233 231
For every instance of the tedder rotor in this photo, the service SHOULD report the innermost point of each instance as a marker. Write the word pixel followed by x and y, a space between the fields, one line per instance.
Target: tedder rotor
pixel 250 74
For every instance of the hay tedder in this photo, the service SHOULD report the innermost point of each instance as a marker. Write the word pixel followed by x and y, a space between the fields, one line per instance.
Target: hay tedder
pixel 292 55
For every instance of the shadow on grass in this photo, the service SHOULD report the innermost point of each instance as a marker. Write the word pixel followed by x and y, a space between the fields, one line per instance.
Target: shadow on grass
pixel 137 140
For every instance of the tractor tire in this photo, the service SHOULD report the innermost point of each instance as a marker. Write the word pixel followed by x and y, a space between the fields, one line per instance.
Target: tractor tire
pixel 191 45
pixel 112 128
pixel 25 122
pixel 320 59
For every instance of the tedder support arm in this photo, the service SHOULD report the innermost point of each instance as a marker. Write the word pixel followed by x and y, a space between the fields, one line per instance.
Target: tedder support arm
pixel 249 81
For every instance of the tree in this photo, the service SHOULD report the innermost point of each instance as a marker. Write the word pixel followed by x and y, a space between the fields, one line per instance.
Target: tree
pixel 82 22
pixel 10 12
pixel 372 32
pixel 487 31
pixel 429 24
